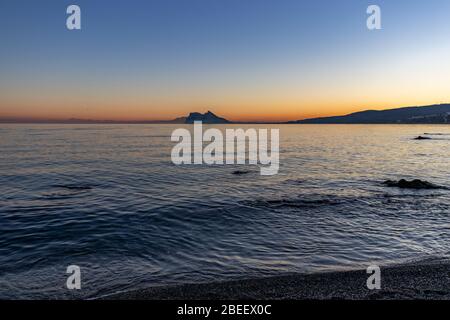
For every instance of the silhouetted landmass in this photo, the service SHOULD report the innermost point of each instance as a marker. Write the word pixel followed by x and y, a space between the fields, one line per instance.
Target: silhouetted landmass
pixel 207 117
pixel 177 120
pixel 434 114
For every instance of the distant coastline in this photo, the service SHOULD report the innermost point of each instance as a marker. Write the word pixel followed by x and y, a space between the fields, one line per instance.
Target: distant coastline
pixel 431 114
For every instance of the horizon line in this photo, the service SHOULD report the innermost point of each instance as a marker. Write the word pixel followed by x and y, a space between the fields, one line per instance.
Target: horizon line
pixel 25 120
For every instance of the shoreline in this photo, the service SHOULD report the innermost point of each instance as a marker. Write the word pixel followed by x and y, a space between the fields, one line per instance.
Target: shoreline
pixel 421 280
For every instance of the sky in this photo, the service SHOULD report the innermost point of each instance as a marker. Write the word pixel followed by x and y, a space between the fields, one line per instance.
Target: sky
pixel 255 60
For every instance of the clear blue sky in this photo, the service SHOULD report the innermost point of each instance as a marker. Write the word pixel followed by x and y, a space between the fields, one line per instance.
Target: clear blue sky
pixel 246 59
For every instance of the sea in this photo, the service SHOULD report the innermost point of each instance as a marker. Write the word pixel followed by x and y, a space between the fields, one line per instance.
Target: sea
pixel 108 199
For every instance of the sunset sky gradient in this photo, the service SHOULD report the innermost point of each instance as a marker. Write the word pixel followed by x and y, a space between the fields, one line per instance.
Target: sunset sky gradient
pixel 255 60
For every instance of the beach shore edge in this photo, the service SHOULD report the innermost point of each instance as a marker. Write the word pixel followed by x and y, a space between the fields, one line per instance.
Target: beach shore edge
pixel 420 280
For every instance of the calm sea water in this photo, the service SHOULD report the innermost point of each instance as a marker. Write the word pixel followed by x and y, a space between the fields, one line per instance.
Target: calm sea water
pixel 108 199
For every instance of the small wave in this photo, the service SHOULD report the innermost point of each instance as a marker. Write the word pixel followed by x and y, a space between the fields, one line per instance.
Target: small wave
pixel 76 187
pixel 38 134
pixel 413 195
pixel 434 136
pixel 294 181
pixel 60 195
pixel 142 136
pixel 437 134
pixel 66 191
pixel 296 203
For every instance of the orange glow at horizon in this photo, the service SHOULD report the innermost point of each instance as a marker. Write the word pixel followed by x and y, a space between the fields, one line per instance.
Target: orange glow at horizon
pixel 240 113
pixel 294 99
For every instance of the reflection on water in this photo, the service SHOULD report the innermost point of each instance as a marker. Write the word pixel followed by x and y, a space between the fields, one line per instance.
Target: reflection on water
pixel 107 198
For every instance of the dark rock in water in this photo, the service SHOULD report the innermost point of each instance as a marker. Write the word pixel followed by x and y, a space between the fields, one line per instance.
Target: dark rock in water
pixel 422 138
pixel 240 172
pixel 414 184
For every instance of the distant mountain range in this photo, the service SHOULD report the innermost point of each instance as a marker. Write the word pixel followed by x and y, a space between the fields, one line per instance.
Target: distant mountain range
pixel 439 113
pixel 433 114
